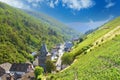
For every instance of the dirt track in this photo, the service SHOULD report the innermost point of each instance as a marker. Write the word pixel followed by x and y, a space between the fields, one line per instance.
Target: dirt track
pixel 106 37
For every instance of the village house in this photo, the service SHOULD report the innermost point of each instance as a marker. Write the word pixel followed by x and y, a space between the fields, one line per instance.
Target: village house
pixel 54 53
pixel 2 72
pixel 20 69
pixel 59 46
pixel 68 46
pixel 43 56
pixel 6 67
pixel 14 71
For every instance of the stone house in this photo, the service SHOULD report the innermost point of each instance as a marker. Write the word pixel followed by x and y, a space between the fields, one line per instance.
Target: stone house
pixel 21 68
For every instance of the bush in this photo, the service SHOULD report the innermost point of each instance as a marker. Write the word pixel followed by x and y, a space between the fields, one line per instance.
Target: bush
pixel 38 71
pixel 50 66
pixel 67 59
pixel 39 77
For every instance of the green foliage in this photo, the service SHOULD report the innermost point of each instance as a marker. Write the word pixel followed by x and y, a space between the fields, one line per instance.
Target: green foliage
pixel 82 38
pixel 31 58
pixel 8 53
pixel 38 72
pixel 50 66
pixel 67 59
pixel 101 63
pixel 23 34
pixel 39 77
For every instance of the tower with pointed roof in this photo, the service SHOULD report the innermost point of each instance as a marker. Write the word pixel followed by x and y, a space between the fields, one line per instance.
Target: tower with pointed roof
pixel 43 56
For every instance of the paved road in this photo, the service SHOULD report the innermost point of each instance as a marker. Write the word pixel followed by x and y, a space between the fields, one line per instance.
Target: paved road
pixel 59 61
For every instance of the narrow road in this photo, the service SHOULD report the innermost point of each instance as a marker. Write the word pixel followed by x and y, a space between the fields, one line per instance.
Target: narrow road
pixel 59 61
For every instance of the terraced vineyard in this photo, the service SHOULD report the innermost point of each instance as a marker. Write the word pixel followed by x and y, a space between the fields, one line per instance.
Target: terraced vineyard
pixel 101 61
pixel 91 38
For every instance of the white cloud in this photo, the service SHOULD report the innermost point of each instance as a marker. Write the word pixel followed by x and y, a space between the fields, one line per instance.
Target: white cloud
pixel 78 4
pixel 72 4
pixel 16 3
pixel 56 2
pixel 34 5
pixel 34 1
pixel 91 24
pixel 109 3
pixel 51 4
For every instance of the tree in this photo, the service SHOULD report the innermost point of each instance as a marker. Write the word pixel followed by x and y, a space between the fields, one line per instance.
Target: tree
pixel 67 59
pixel 38 71
pixel 50 66
pixel 30 57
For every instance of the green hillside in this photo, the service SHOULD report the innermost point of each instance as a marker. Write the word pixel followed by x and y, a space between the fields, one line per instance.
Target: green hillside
pixel 21 34
pixel 99 56
pixel 61 28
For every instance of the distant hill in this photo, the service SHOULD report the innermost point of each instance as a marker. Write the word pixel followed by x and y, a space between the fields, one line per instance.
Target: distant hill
pixel 21 34
pixel 61 28
pixel 97 57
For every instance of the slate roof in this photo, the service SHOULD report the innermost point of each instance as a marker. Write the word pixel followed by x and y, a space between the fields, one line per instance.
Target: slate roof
pixel 19 67
pixel 68 44
pixel 2 71
pixel 44 49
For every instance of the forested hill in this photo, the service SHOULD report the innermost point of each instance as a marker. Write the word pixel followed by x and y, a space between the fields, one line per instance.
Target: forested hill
pixel 61 28
pixel 20 34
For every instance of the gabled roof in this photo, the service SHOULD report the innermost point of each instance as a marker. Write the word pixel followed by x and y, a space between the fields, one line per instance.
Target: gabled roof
pixel 68 44
pixel 6 66
pixel 20 67
pixel 2 71
pixel 49 54
pixel 44 49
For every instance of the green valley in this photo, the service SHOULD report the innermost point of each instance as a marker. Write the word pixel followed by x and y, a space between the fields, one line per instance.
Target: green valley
pixel 37 44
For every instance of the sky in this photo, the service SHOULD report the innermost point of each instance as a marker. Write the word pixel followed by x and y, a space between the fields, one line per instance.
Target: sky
pixel 81 15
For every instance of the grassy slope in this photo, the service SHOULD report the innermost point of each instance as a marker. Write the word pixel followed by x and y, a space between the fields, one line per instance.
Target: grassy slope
pixel 102 63
pixel 97 34
pixel 21 34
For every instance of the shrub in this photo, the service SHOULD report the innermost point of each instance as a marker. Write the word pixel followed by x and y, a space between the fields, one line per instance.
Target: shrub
pixel 50 66
pixel 39 77
pixel 38 71
pixel 67 59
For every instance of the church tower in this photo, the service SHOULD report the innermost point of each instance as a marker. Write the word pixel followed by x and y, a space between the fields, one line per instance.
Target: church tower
pixel 43 56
